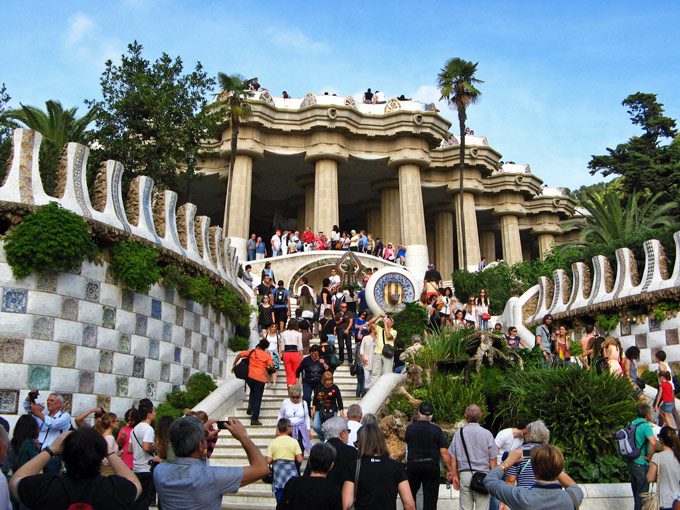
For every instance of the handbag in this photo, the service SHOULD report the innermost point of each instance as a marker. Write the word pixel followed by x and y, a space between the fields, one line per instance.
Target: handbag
pixel 269 478
pixel 477 482
pixel 335 361
pixel 241 368
pixel 650 499
pixel 387 350
pixel 486 316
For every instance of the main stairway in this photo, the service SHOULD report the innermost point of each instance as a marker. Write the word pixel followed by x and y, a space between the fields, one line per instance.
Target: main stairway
pixel 228 452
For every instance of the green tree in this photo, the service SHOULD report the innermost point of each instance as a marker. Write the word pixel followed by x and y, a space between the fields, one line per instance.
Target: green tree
pixel 151 115
pixel 58 127
pixel 5 132
pixel 609 220
pixel 235 94
pixel 647 163
pixel 457 85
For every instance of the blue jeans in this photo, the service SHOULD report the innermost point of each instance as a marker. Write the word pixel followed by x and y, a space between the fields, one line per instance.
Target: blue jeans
pixel 331 341
pixel 318 426
pixel 638 481
pixel 307 390
pixel 483 325
pixel 251 254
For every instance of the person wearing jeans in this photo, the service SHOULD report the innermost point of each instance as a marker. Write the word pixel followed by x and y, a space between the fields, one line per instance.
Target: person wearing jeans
pixel 644 439
pixel 343 327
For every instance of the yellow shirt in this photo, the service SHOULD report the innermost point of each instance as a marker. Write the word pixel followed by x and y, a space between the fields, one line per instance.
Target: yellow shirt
pixel 283 448
pixel 379 342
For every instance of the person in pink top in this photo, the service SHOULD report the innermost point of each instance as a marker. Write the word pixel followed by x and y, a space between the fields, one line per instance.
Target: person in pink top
pixel 124 435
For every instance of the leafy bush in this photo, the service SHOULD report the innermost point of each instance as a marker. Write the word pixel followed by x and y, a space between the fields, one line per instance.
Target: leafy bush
pixel 238 343
pixel 166 409
pixel 228 302
pixel 650 377
pixel 201 290
pixel 412 320
pixel 198 387
pixel 50 237
pixel 662 307
pixel 581 408
pixel 608 322
pixel 609 468
pixel 498 282
pixel 450 397
pixel 136 265
pixel 399 402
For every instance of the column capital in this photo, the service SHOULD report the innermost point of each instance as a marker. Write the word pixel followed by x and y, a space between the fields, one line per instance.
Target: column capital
pixel 305 180
pixel 448 207
pixel 327 151
pixel 409 156
pixel 246 147
pixel 509 210
pixel 381 184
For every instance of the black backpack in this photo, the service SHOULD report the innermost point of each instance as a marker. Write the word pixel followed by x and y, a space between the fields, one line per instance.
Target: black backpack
pixel 280 296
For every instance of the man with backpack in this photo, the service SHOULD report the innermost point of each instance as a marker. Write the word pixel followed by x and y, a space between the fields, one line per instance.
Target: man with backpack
pixel 281 300
pixel 636 444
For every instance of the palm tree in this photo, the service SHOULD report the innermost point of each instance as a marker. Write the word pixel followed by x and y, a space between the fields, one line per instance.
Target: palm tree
pixel 58 127
pixel 235 92
pixel 608 220
pixel 456 83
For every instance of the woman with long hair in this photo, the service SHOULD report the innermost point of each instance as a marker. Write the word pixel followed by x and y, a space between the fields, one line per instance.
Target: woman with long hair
pixel 482 309
pixel 164 451
pixel 630 368
pixel 562 343
pixel 24 441
pixel 544 338
pixel 124 435
pixel 380 478
pixel 105 426
pixel 265 316
pixel 613 353
pixel 272 336
pixel 306 303
pixel 666 465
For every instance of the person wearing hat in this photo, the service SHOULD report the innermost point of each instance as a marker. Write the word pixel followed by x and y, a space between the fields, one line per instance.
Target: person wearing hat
pixel 425 443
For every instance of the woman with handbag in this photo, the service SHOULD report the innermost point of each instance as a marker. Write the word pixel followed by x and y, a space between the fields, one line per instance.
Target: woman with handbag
pixel 327 403
pixel 383 357
pixel 258 360
pixel 664 469
pixel 482 306
pixel 373 481
pixel 296 409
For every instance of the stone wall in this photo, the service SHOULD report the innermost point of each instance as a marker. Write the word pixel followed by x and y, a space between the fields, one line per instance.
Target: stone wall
pixel 81 333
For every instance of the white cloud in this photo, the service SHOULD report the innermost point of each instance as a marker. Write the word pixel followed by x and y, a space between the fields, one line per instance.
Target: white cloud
pixel 295 40
pixel 79 27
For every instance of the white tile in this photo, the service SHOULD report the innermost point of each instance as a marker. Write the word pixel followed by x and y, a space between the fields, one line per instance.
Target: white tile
pixel 87 359
pixel 203 362
pixel 139 346
pixel 166 351
pixel 168 312
pixel 137 388
pixel 120 405
pixel 187 357
pixel 93 271
pixel 15 375
pixel 162 389
pixel 83 402
pixel 107 339
pixel 64 380
pixel 126 322
pixel 123 363
pixel 154 328
pixel 157 292
pixel 110 295
pixel 43 303
pixel 16 325
pixel 90 313
pixel 104 384
pixel 9 281
pixel 69 332
pixel 41 352
pixel 72 285
pixel 176 374
pixel 142 304
pixel 656 339
pixel 195 341
pixel 152 369
pixel 177 335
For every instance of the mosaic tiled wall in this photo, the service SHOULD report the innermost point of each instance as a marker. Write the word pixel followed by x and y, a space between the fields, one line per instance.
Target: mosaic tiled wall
pixel 83 335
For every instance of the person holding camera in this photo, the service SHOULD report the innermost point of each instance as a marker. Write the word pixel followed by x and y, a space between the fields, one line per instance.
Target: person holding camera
pixel 80 419
pixel 383 358
pixel 82 486
pixel 189 483
pixel 52 422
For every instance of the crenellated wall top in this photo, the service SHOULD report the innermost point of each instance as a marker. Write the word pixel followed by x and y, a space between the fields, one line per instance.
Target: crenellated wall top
pixel 148 216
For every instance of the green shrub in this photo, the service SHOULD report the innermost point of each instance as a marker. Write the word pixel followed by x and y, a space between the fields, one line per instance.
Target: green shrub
pixel 136 265
pixel 201 290
pixel 450 397
pixel 662 307
pixel 228 302
pixel 49 238
pixel 238 343
pixel 166 409
pixel 399 402
pixel 412 320
pixel 581 409
pixel 199 386
pixel 173 277
pixel 650 377
pixel 608 322
pixel 610 468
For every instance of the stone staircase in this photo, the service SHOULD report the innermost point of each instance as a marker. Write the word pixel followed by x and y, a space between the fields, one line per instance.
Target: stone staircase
pixel 228 451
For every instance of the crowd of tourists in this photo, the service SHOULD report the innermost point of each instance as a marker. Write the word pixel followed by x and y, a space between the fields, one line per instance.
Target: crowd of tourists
pixel 284 242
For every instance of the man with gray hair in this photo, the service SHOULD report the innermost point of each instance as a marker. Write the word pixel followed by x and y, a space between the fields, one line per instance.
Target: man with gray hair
pixel 426 444
pixel 354 415
pixel 522 472
pixel 4 490
pixel 472 450
pixel 51 424
pixel 189 483
pixel 336 432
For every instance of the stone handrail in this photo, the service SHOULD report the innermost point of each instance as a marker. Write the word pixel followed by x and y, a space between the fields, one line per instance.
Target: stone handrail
pixel 177 230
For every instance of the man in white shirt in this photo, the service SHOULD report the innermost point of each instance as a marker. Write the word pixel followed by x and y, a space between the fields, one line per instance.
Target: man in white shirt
pixel 276 244
pixel 506 441
pixel 142 447
pixel 51 424
pixel 354 415
pixel 334 277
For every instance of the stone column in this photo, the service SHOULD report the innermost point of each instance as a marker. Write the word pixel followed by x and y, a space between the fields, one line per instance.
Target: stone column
pixel 237 218
pixel 487 242
pixel 326 209
pixel 307 183
pixel 545 243
pixel 469 230
pixel 431 245
pixel 390 212
pixel 512 244
pixel 413 220
pixel 374 220
pixel 443 226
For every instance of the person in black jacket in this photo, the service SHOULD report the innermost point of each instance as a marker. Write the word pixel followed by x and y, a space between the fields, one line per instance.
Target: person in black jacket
pixel 311 369
pixel 327 403
pixel 337 434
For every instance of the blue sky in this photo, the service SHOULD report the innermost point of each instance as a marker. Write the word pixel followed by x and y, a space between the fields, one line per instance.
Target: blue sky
pixel 555 72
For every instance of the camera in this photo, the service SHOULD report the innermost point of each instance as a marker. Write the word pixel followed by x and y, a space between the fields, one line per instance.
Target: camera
pixel 33 396
pixel 222 424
